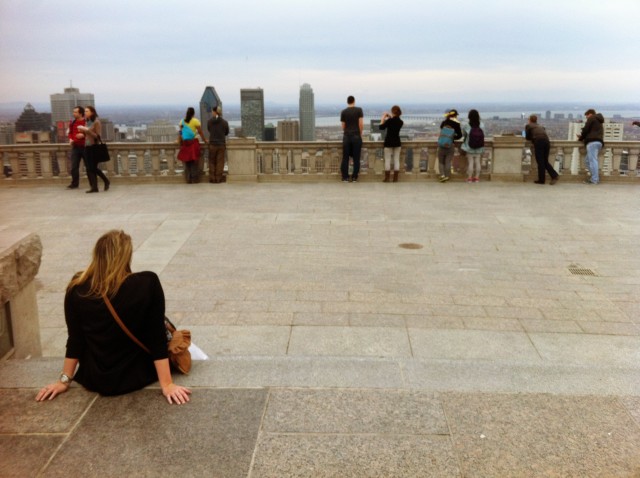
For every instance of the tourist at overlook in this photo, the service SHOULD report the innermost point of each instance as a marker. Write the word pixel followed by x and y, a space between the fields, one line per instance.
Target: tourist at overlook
pixel 76 140
pixel 100 356
pixel 189 152
pixel 449 131
pixel 92 132
pixel 536 133
pixel 473 145
pixel 218 131
pixel 592 135
pixel 392 124
pixel 352 120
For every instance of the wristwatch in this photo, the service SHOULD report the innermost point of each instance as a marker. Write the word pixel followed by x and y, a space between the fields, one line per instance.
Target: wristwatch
pixel 64 378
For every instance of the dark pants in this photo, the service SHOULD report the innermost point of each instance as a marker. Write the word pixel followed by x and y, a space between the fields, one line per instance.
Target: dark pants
pixel 351 147
pixel 77 155
pixel 541 149
pixel 93 171
pixel 216 162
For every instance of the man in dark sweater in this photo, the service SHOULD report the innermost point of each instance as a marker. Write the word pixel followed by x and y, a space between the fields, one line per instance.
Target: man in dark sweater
pixel 352 119
pixel 592 135
pixel 218 130
pixel 541 147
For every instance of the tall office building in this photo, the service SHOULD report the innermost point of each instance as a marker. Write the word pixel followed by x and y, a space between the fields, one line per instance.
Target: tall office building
pixel 307 114
pixel 209 101
pixel 62 104
pixel 288 130
pixel 252 112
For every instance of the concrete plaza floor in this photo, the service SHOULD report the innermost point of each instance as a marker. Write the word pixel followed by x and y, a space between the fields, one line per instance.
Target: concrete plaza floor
pixel 354 330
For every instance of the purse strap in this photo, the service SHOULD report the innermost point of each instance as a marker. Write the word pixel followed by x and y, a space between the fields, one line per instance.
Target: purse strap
pixel 121 324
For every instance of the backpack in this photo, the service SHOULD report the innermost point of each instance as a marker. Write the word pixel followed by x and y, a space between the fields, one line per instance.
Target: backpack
pixel 445 140
pixel 476 138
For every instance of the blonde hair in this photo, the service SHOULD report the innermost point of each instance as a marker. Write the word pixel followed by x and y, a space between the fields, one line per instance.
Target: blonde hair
pixel 109 267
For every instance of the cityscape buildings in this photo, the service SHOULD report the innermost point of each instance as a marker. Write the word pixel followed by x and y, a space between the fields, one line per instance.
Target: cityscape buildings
pixel 307 112
pixel 288 130
pixel 209 101
pixel 62 105
pixel 252 112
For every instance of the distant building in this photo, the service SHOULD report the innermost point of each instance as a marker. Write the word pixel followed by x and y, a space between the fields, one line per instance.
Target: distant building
pixel 612 131
pixel 288 130
pixel 252 112
pixel 108 130
pixel 558 116
pixel 307 114
pixel 270 132
pixel 31 120
pixel 162 131
pixel 209 101
pixel 376 133
pixel 7 133
pixel 547 115
pixel 62 105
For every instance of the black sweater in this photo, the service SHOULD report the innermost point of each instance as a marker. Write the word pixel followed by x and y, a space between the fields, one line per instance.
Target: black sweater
pixel 109 361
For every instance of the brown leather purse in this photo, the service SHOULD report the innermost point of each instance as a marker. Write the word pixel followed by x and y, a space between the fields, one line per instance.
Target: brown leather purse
pixel 177 345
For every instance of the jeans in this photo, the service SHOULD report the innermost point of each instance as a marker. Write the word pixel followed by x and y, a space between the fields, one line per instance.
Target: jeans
pixel 593 149
pixel 445 155
pixel 392 153
pixel 474 159
pixel 77 155
pixel 351 147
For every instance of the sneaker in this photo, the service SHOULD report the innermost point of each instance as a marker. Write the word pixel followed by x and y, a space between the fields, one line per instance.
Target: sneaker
pixel 354 180
pixel 345 180
pixel 470 180
pixel 476 180
pixel 588 181
pixel 444 179
pixel 553 180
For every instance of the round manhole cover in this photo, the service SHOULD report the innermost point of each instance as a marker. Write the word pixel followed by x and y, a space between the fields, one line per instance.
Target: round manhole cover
pixel 410 245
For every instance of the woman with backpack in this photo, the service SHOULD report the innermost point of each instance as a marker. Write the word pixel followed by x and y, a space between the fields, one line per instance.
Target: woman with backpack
pixel 189 152
pixel 473 145
pixel 449 132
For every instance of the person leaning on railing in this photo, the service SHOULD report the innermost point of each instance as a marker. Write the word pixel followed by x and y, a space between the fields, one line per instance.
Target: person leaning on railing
pixel 99 355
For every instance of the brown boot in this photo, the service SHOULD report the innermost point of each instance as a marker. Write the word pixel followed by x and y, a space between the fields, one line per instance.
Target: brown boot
pixel 395 176
pixel 386 176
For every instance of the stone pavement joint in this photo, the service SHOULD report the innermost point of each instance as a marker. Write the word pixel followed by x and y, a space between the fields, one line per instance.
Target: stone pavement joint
pixel 336 352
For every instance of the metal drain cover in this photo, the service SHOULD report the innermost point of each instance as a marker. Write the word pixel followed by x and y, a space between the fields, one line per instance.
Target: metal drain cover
pixel 410 245
pixel 581 271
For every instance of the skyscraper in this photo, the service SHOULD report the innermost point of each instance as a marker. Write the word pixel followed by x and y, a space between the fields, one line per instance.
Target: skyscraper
pixel 209 101
pixel 62 104
pixel 252 112
pixel 307 114
pixel 288 130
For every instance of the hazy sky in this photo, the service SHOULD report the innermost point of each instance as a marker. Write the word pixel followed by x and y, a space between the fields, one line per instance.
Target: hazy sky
pixel 419 51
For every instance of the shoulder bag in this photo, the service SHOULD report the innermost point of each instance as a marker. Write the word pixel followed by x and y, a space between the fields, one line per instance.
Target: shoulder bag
pixel 177 345
pixel 99 151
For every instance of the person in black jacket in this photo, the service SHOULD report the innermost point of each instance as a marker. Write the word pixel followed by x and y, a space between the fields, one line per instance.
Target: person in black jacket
pixel 592 135
pixel 393 124
pixel 536 133
pixel 100 356
pixel 446 149
pixel 218 131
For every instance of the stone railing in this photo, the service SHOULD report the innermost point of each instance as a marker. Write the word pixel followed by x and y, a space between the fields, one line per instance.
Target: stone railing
pixel 20 256
pixel 505 158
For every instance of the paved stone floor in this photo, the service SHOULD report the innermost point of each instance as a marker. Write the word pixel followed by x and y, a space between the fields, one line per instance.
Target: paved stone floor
pixel 505 343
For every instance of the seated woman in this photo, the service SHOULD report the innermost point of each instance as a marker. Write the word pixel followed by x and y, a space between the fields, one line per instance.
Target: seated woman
pixel 106 359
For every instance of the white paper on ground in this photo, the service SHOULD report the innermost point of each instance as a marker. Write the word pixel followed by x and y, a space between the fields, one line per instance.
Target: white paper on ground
pixel 197 353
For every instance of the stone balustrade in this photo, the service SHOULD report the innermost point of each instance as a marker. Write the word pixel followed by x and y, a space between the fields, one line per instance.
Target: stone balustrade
pixel 505 158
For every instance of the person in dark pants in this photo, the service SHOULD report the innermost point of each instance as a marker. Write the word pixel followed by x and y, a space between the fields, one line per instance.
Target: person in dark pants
pixel 218 131
pixel 352 120
pixel 541 146
pixel 76 140
pixel 445 151
pixel 92 136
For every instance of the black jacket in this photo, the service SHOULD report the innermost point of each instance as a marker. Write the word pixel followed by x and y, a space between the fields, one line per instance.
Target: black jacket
pixel 593 130
pixel 453 124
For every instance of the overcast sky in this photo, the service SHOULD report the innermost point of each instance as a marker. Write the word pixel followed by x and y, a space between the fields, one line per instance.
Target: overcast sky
pixel 419 51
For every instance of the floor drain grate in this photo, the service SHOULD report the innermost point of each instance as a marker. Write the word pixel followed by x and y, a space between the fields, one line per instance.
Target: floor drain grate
pixel 581 271
pixel 410 245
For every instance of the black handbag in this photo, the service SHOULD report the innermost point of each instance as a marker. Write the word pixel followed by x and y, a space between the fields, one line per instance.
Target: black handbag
pixel 99 151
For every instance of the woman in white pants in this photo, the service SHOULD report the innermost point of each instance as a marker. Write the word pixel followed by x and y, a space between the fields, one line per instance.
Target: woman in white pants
pixel 473 145
pixel 393 124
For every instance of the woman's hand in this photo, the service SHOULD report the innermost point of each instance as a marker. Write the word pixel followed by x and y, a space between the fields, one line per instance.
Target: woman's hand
pixel 176 394
pixel 51 391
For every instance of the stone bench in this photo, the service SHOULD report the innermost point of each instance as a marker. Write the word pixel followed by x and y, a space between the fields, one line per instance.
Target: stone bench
pixel 20 256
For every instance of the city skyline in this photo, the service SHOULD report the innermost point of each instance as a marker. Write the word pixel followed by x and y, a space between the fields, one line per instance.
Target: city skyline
pixel 418 52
